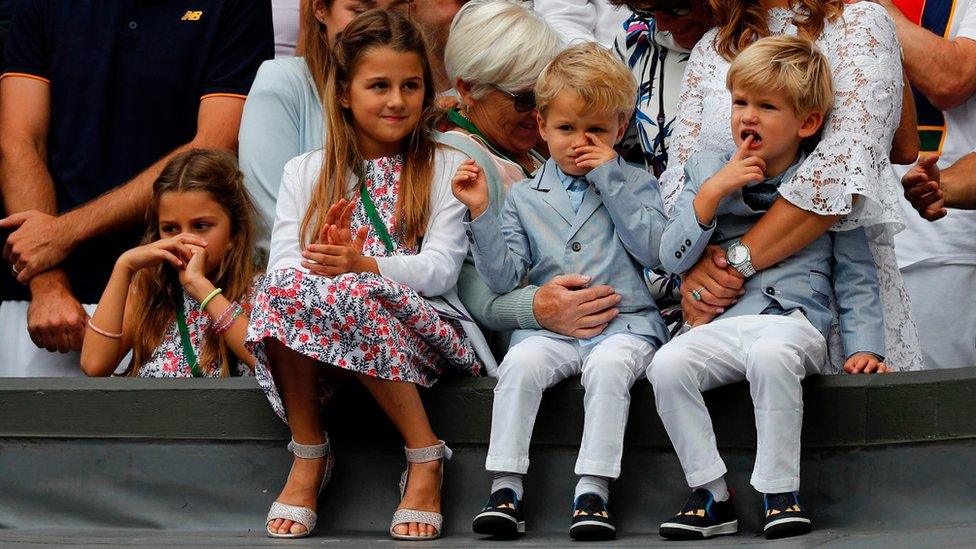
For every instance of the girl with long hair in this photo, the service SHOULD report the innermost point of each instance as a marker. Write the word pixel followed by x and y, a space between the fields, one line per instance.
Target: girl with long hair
pixel 364 228
pixel 180 301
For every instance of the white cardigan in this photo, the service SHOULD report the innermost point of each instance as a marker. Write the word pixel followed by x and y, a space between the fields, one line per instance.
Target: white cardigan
pixel 583 20
pixel 432 272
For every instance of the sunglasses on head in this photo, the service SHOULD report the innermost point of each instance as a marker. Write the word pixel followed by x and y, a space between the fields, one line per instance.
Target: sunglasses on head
pixel 524 101
pixel 670 10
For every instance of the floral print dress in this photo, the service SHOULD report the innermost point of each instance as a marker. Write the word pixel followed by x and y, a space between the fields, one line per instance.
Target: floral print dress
pixel 364 323
pixel 168 360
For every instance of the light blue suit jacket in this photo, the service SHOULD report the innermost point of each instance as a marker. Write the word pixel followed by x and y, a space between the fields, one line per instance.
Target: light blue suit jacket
pixel 835 270
pixel 613 236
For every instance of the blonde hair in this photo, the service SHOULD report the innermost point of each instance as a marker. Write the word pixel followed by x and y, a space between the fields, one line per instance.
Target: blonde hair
pixel 600 79
pixel 158 290
pixel 374 29
pixel 791 65
pixel 742 22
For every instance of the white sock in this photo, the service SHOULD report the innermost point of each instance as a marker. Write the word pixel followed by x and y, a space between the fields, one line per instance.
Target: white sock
pixel 512 481
pixel 717 488
pixel 595 485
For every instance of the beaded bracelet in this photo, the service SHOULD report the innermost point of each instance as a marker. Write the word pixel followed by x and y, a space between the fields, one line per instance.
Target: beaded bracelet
pixel 227 318
pixel 99 331
pixel 211 295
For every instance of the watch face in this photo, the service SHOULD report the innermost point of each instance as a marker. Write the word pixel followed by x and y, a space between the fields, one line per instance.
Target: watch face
pixel 737 254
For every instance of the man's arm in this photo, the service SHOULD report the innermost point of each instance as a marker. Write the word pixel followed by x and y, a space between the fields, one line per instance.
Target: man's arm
pixel 943 70
pixel 55 318
pixel 958 183
pixel 41 241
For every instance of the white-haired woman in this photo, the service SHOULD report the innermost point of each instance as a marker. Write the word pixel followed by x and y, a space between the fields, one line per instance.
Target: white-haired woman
pixel 495 53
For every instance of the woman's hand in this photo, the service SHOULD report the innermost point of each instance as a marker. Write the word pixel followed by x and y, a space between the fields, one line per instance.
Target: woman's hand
pixel 174 250
pixel 470 187
pixel 566 305
pixel 718 285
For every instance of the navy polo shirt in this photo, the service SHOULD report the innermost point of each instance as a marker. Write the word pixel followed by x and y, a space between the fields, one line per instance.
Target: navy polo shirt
pixel 126 80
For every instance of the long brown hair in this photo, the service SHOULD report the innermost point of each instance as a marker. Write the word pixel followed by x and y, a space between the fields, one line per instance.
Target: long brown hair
pixel 374 29
pixel 742 22
pixel 313 44
pixel 157 290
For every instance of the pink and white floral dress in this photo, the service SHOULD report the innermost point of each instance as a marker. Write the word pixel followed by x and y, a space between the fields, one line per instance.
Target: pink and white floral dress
pixel 377 325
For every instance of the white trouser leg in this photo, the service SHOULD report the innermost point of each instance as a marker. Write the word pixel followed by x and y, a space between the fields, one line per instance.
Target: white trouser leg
pixel 19 357
pixel 609 370
pixel 775 353
pixel 530 367
pixel 943 301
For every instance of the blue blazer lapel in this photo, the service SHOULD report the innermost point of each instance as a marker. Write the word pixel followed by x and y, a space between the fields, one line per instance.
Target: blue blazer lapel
pixel 591 203
pixel 554 193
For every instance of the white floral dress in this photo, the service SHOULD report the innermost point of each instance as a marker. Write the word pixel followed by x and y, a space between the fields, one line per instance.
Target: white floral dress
pixel 169 360
pixel 364 323
pixel 850 159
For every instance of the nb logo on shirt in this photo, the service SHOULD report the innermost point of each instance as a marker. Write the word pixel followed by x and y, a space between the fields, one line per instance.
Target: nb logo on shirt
pixel 192 16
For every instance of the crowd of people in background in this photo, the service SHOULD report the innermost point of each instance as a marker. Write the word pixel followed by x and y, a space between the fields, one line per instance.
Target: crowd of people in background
pixel 695 192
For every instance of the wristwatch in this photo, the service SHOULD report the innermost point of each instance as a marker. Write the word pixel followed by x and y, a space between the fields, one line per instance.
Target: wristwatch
pixel 740 258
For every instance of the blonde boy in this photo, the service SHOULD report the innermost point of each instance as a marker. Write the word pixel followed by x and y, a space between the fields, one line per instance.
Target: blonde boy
pixel 775 335
pixel 587 212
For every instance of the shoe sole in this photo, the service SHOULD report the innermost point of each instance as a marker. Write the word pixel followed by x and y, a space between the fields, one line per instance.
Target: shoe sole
pixel 592 530
pixel 497 525
pixel 674 530
pixel 787 527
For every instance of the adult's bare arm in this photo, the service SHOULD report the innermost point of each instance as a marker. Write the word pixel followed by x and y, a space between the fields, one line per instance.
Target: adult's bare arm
pixel 41 241
pixel 943 70
pixel 906 143
pixel 959 183
pixel 55 319
pixel 782 231
pixel 931 190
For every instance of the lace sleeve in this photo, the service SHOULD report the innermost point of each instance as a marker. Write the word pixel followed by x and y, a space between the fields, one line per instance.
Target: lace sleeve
pixel 852 155
pixel 686 135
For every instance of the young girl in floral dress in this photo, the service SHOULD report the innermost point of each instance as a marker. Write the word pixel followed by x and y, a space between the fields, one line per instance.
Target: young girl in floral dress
pixel 180 302
pixel 366 230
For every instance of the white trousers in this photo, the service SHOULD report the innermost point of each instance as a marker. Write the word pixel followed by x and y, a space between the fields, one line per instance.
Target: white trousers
pixel 944 306
pixel 19 357
pixel 536 363
pixel 774 353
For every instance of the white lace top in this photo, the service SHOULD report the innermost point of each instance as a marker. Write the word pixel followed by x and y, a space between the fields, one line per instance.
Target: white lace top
pixel 850 159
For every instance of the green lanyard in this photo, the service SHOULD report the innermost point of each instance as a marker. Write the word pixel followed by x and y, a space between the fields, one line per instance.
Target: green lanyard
pixel 374 216
pixel 188 354
pixel 460 121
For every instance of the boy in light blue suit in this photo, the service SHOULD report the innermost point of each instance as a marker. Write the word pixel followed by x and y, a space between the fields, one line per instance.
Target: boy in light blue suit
pixel 584 212
pixel 775 335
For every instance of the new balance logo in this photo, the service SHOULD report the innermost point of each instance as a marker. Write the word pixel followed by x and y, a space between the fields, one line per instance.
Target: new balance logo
pixel 192 16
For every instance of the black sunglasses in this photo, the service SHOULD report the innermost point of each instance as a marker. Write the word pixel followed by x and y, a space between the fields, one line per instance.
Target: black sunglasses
pixel 672 10
pixel 524 101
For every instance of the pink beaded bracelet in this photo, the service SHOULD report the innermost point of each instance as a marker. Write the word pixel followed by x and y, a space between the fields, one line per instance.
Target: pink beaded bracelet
pixel 226 318
pixel 99 331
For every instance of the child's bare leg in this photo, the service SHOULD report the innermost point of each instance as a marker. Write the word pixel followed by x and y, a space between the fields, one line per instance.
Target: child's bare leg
pixel 296 377
pixel 401 403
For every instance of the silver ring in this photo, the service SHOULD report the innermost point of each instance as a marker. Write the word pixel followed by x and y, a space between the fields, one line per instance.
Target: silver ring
pixel 13 269
pixel 696 294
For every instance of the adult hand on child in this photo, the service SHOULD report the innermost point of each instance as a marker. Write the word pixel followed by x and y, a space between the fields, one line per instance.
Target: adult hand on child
pixel 866 363
pixel 594 153
pixel 568 306
pixel 470 187
pixel 923 189
pixel 718 285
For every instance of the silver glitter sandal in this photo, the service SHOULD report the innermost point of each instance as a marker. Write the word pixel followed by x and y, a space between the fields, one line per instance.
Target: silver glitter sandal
pixel 404 516
pixel 302 515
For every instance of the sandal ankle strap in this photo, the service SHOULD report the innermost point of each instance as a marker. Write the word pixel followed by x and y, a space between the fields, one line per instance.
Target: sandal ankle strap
pixel 429 453
pixel 310 451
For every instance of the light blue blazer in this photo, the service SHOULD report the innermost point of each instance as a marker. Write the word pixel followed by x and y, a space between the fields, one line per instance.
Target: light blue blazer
pixel 835 270
pixel 613 236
